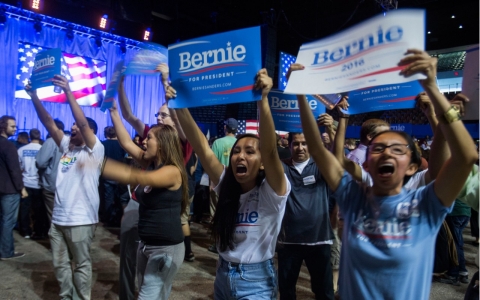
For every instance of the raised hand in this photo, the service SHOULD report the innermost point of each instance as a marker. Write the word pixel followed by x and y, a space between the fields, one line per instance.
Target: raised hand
pixel 425 104
pixel 459 102
pixel 325 120
pixel 294 67
pixel 342 106
pixel 163 68
pixel 30 91
pixel 418 61
pixel 62 82
pixel 263 82
pixel 170 93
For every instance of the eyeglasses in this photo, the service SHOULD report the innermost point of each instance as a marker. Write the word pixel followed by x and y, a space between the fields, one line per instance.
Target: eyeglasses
pixel 395 149
pixel 162 115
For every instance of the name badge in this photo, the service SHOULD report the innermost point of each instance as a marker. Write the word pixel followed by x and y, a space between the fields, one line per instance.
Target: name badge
pixel 308 180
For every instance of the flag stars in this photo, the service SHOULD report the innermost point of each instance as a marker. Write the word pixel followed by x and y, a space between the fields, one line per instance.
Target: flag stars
pixel 24 69
pixel 29 54
pixel 30 64
pixel 34 50
pixel 25 81
pixel 27 46
pixel 23 58
pixel 21 50
pixel 18 76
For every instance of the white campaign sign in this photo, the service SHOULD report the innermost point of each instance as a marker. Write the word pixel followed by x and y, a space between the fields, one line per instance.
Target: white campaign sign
pixel 363 56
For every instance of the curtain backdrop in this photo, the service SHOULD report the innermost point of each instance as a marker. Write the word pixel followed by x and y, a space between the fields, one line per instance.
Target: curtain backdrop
pixel 145 93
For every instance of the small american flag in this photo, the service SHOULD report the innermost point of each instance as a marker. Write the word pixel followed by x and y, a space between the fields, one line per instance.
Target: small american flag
pixel 285 61
pixel 87 77
pixel 247 126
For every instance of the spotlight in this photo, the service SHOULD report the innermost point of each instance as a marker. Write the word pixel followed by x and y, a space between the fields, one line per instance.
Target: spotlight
pixel 36 4
pixel 37 26
pixel 460 26
pixel 104 22
pixel 429 32
pixel 147 35
pixel 98 41
pixel 453 16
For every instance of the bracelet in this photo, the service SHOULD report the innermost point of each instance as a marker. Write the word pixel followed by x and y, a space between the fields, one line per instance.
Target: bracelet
pixel 451 115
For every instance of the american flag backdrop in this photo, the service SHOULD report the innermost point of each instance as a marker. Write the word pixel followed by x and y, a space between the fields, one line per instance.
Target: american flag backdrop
pixel 244 126
pixel 285 61
pixel 87 77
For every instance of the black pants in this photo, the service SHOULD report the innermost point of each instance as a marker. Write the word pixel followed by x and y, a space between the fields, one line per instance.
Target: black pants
pixel 41 222
pixel 317 260
pixel 474 223
pixel 33 199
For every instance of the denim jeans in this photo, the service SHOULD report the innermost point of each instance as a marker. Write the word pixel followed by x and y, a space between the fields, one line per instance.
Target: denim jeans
pixel 156 268
pixel 456 225
pixel 317 260
pixel 8 218
pixel 245 281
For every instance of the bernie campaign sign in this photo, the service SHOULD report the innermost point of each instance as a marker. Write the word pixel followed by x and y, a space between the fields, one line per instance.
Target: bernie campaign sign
pixel 286 112
pixel 363 56
pixel 216 69
pixel 47 64
pixel 384 97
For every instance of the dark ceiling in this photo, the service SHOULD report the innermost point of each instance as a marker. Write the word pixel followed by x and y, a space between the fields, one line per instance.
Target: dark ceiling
pixel 294 22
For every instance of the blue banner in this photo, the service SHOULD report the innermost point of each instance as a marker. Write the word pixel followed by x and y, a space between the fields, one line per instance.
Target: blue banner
pixel 216 69
pixel 112 89
pixel 147 59
pixel 286 113
pixel 46 65
pixel 384 97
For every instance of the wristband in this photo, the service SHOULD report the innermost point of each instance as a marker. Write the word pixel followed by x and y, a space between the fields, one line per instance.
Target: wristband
pixel 451 115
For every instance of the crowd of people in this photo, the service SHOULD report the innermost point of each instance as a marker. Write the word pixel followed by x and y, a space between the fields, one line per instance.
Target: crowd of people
pixel 364 218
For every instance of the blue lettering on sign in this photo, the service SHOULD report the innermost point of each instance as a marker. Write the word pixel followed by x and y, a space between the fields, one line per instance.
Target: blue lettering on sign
pixel 393 34
pixel 247 218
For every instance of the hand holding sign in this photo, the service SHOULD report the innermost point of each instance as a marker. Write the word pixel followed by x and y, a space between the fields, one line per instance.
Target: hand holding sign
pixel 30 91
pixel 425 104
pixel 264 82
pixel 459 102
pixel 62 82
pixel 420 62
pixel 165 71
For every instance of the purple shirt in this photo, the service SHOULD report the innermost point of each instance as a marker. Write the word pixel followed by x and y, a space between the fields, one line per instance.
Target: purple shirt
pixel 358 155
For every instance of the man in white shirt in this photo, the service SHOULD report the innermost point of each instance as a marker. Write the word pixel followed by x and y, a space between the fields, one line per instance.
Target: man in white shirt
pixel 26 156
pixel 75 213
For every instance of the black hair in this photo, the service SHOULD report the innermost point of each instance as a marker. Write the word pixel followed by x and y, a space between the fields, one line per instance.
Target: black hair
pixel 35 134
pixel 224 220
pixel 415 158
pixel 290 137
pixel 230 130
pixel 92 124
pixel 59 124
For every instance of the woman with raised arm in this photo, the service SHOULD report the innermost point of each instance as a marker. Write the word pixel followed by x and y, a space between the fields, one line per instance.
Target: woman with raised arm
pixel 389 233
pixel 253 191
pixel 162 192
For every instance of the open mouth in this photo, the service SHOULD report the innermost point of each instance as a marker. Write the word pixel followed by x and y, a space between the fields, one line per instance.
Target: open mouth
pixel 241 169
pixel 73 134
pixel 386 169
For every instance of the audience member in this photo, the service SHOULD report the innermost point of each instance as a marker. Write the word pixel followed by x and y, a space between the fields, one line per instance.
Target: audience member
pixel 11 188
pixel 26 155
pixel 75 213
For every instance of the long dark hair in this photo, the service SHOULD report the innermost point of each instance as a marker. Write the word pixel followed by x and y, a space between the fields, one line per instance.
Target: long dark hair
pixel 416 157
pixel 223 225
pixel 170 152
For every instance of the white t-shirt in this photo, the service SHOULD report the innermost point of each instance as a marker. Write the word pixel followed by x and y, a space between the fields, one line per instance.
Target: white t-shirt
pixel 259 219
pixel 26 156
pixel 416 181
pixel 76 197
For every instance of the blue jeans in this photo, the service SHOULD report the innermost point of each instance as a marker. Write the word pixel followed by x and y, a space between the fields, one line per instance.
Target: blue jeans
pixel 8 218
pixel 456 225
pixel 245 281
